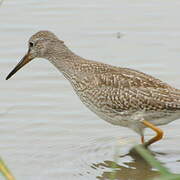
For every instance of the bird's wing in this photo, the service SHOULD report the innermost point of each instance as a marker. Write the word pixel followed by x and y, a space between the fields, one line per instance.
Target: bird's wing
pixel 135 90
pixel 113 75
pixel 133 78
pixel 150 98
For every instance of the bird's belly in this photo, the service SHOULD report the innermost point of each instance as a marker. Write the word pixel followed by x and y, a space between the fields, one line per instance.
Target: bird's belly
pixel 161 118
pixel 114 119
pixel 128 118
pixel 108 114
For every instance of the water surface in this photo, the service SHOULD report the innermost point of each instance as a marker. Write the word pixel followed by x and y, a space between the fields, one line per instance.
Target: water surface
pixel 46 132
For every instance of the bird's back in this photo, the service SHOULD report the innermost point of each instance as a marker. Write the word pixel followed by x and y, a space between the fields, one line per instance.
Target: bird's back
pixel 123 89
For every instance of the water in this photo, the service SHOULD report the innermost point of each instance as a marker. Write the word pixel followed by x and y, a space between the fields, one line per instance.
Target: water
pixel 46 132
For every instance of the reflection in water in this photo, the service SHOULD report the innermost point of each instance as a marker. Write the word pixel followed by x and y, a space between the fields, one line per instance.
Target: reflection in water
pixel 137 169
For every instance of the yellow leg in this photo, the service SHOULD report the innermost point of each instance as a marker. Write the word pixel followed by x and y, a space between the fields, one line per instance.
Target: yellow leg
pixel 156 138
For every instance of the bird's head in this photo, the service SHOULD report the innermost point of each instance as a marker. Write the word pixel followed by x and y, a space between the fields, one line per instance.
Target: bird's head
pixel 40 45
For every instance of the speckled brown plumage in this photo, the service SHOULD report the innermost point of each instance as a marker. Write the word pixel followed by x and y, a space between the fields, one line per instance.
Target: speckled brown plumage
pixel 120 96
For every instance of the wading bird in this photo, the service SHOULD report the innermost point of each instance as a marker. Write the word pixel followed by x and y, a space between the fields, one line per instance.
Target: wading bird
pixel 121 96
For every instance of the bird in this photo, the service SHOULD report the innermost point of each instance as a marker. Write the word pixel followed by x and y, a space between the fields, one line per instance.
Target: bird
pixel 120 96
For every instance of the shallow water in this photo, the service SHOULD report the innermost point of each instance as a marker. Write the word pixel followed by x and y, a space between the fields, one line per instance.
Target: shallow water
pixel 46 132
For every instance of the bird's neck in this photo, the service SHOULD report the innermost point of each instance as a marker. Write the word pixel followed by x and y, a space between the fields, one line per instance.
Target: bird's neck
pixel 66 61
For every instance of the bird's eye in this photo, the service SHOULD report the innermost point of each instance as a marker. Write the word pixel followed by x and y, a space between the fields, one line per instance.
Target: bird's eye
pixel 31 44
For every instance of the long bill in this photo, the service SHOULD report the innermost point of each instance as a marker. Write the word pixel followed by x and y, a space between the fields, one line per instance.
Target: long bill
pixel 23 62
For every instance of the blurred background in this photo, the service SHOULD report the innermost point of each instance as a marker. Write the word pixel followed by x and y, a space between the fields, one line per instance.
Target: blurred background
pixel 45 131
